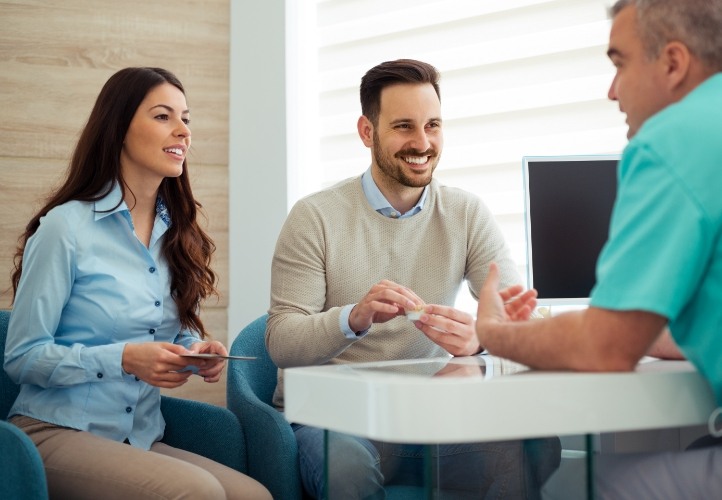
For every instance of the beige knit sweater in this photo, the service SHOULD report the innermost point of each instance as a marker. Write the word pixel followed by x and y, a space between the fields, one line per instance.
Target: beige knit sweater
pixel 334 247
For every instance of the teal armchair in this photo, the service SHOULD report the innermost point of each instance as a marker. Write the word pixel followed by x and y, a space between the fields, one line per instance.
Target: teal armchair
pixel 249 393
pixel 21 466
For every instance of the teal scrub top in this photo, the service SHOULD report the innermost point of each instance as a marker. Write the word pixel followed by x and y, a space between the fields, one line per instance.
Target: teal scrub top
pixel 664 253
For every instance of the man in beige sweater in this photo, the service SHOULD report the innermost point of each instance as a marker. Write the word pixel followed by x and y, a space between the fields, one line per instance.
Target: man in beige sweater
pixel 353 259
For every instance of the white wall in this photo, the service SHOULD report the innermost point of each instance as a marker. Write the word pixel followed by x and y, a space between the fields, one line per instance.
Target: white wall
pixel 257 154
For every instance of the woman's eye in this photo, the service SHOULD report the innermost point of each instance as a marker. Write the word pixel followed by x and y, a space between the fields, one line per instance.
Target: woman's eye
pixel 187 121
pixel 162 117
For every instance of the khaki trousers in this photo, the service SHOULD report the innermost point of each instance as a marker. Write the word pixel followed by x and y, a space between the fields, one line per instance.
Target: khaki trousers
pixel 82 465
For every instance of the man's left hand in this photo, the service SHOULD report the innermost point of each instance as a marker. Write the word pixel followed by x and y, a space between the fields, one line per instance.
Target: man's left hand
pixel 449 328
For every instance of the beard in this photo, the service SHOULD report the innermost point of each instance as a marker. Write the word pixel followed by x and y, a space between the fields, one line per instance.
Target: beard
pixel 392 166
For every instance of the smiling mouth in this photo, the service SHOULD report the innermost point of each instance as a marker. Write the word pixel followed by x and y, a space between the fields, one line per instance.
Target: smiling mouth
pixel 416 160
pixel 175 152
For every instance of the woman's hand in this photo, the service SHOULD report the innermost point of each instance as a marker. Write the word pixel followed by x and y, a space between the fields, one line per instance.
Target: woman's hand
pixel 210 369
pixel 157 363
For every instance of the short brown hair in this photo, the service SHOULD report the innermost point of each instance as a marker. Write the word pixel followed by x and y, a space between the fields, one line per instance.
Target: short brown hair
pixel 390 73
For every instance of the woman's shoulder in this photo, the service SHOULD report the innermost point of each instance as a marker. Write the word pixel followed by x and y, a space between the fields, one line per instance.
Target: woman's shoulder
pixel 71 210
pixel 69 216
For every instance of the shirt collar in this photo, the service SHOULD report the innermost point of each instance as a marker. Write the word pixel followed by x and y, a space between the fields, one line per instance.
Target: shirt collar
pixel 162 211
pixel 107 206
pixel 379 202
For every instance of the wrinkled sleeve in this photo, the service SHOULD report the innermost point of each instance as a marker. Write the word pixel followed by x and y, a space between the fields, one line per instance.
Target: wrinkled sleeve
pixel 31 354
pixel 486 244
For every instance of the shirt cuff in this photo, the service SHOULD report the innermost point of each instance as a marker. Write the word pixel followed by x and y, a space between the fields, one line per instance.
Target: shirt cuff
pixel 343 323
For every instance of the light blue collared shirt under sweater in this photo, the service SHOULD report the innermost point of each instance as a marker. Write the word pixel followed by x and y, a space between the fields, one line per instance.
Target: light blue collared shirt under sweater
pixel 379 203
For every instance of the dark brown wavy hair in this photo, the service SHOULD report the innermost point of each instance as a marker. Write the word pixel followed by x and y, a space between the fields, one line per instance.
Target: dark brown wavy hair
pixel 95 167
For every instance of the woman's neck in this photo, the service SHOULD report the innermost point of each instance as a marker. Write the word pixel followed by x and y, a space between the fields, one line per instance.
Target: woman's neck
pixel 141 203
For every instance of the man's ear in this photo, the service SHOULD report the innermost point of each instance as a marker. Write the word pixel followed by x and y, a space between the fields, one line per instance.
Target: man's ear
pixel 365 131
pixel 676 59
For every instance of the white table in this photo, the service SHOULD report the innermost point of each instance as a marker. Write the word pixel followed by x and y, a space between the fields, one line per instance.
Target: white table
pixel 400 401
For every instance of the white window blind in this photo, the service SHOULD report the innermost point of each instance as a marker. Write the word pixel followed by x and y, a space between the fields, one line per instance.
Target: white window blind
pixel 518 78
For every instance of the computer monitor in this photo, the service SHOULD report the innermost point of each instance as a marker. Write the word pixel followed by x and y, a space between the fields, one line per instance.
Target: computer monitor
pixel 568 204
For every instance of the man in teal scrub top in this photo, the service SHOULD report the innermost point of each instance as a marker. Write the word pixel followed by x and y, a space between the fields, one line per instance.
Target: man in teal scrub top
pixel 662 265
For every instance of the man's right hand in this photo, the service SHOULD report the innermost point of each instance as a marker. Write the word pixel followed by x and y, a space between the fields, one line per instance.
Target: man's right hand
pixel 383 302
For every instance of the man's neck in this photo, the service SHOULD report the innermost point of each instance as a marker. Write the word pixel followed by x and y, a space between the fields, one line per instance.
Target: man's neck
pixel 402 198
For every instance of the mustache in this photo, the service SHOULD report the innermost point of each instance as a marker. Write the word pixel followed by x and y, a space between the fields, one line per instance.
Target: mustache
pixel 415 152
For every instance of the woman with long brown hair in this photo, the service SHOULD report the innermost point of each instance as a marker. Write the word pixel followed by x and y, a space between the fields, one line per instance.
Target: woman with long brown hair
pixel 109 278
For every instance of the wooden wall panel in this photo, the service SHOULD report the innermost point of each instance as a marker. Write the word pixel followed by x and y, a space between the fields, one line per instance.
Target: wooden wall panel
pixel 54 59
pixel 55 56
pixel 24 183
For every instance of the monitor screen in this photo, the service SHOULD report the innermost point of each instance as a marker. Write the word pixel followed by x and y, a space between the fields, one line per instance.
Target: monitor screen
pixel 568 204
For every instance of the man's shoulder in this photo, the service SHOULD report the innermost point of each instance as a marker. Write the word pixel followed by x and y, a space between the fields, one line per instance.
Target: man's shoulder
pixel 340 190
pixel 450 196
pixel 683 134
pixel 328 202
pixel 694 118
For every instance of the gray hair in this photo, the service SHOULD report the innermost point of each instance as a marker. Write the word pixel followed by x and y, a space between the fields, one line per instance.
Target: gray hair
pixel 695 23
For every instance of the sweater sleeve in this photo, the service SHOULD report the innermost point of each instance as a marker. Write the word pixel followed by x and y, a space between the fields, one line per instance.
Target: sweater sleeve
pixel 300 332
pixel 486 244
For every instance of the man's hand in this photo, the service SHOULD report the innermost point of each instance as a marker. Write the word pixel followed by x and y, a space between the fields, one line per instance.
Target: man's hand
pixel 510 304
pixel 385 301
pixel 449 328
pixel 519 304
pixel 456 331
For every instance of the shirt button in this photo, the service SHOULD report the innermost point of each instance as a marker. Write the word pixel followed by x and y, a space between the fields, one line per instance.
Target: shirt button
pixel 151 331
pixel 128 409
pixel 100 375
pixel 151 269
pixel 137 379
pixel 157 303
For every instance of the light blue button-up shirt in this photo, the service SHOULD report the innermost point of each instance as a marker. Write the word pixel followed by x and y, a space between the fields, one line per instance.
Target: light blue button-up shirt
pixel 88 287
pixel 379 203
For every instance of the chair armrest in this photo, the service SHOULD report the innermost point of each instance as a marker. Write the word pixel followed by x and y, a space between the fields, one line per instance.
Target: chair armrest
pixel 22 468
pixel 272 448
pixel 204 429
